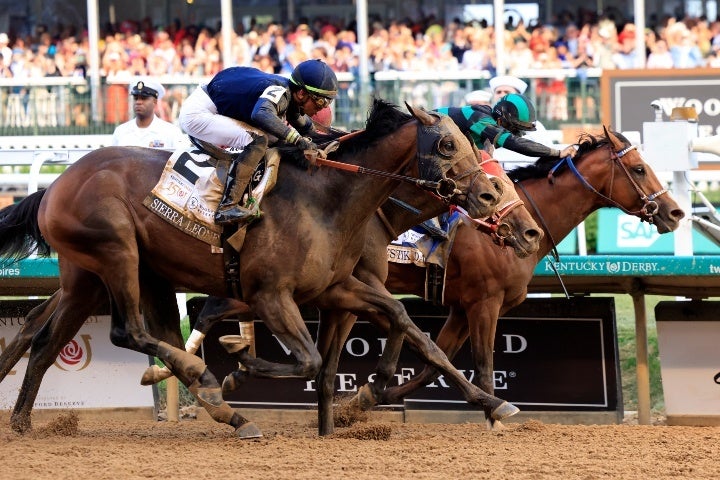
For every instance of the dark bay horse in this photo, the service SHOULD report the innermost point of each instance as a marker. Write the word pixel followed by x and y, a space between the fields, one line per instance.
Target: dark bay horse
pixel 512 226
pixel 304 249
pixel 606 173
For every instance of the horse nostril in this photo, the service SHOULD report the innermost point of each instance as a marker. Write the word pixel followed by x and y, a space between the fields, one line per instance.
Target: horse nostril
pixel 678 214
pixel 534 234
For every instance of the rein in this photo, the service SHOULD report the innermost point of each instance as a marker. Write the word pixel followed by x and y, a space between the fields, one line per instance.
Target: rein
pixel 649 207
pixel 445 188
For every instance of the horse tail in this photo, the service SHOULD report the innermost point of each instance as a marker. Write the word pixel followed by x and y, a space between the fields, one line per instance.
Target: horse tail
pixel 20 234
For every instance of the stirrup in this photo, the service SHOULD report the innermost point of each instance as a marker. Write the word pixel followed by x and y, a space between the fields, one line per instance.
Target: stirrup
pixel 238 214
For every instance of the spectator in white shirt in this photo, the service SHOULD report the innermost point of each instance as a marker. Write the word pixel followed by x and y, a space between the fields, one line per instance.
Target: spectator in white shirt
pixel 147 129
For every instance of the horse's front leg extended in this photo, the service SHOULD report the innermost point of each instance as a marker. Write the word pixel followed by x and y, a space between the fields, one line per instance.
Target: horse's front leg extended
pixel 365 299
pixel 450 339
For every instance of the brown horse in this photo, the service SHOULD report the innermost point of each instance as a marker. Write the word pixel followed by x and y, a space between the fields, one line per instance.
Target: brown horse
pixel 512 226
pixel 303 250
pixel 606 173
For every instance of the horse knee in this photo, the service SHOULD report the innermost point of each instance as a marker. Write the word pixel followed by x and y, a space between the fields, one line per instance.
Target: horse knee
pixel 310 367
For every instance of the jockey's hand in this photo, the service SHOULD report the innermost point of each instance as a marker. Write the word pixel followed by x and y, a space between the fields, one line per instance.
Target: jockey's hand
pixel 311 151
pixel 305 143
pixel 569 151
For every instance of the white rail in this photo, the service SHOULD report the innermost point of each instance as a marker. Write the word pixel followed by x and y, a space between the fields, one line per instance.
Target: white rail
pixel 19 153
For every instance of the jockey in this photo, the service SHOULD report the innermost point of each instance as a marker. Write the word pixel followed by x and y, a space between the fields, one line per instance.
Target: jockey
pixel 503 125
pixel 262 100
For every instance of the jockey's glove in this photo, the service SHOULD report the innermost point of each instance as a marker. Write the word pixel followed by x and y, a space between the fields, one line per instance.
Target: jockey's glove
pixel 569 151
pixel 305 143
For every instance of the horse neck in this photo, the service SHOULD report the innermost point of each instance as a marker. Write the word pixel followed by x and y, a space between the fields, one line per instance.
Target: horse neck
pixel 563 205
pixel 401 219
pixel 362 194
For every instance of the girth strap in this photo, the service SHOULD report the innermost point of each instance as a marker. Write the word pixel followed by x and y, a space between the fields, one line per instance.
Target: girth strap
pixel 434 283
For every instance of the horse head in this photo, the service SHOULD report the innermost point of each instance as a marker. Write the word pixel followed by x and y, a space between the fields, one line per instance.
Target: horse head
pixel 653 203
pixel 448 158
pixel 511 225
pixel 629 183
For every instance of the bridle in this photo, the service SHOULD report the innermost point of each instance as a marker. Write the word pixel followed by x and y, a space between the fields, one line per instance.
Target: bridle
pixel 499 230
pixel 649 207
pixel 428 149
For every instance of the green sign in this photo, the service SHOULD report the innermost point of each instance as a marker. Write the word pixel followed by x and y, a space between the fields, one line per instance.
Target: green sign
pixel 619 232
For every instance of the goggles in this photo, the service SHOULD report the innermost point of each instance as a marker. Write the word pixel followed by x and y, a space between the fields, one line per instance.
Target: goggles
pixel 320 102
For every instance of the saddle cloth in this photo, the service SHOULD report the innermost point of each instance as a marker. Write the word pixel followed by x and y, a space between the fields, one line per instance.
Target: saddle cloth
pixel 187 195
pixel 418 247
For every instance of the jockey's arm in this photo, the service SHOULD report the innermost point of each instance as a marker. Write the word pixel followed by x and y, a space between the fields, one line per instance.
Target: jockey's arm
pixel 265 116
pixel 523 146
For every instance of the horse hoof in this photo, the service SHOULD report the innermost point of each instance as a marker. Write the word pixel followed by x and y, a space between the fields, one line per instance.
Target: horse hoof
pixel 21 426
pixel 365 399
pixel 248 431
pixel 154 374
pixel 234 343
pixel 233 381
pixel 504 410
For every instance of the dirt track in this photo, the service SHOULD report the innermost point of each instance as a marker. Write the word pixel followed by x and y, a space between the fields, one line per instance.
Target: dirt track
pixel 193 449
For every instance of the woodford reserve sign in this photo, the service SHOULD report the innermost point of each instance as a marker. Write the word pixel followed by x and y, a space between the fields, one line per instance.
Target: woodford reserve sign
pixel 550 354
pixel 626 96
pixel 90 372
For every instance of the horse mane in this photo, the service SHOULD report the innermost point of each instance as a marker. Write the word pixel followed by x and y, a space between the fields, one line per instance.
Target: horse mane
pixel 541 168
pixel 384 118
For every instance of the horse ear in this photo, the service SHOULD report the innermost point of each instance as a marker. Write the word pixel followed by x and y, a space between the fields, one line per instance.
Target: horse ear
pixel 613 139
pixel 424 117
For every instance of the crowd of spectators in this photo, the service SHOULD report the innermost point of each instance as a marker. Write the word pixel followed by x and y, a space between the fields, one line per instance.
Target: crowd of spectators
pixel 584 40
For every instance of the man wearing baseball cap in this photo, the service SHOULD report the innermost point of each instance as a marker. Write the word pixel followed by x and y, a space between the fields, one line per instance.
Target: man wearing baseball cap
pixel 147 129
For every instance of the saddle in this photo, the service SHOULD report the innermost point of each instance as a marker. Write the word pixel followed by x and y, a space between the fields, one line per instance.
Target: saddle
pixel 261 182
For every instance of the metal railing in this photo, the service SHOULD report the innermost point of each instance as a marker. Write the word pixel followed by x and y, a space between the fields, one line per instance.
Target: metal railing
pixel 63 105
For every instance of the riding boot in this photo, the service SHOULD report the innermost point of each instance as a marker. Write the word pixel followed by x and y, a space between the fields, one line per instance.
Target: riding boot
pixel 239 174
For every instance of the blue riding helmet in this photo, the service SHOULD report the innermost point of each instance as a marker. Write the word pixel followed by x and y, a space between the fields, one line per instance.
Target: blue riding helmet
pixel 516 112
pixel 316 77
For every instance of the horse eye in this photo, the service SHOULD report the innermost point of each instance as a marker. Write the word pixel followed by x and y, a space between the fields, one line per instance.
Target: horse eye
pixel 640 170
pixel 446 147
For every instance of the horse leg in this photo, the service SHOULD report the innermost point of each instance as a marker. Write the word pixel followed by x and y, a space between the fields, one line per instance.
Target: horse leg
pixel 451 337
pixel 481 320
pixel 35 319
pixel 214 310
pixel 282 316
pixel 333 329
pixel 81 293
pixel 358 297
pixel 128 331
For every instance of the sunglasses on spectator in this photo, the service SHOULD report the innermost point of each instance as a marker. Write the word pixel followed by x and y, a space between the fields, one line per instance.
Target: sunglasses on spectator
pixel 320 102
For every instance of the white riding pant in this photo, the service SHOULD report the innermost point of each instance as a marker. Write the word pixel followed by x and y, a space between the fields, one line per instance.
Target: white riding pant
pixel 199 118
